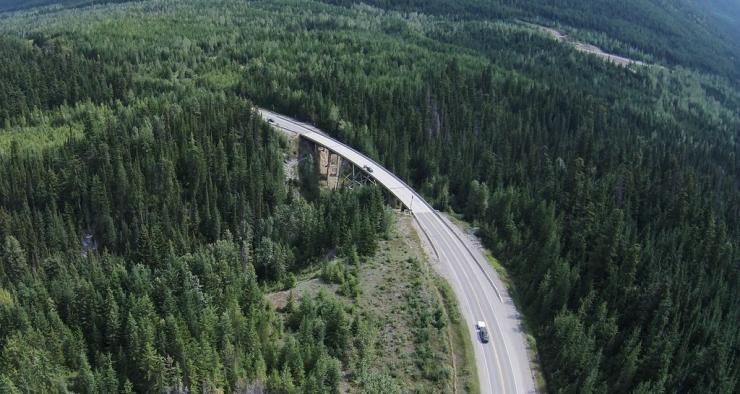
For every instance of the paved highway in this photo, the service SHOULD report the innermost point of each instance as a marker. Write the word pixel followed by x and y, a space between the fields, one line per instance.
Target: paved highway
pixel 503 364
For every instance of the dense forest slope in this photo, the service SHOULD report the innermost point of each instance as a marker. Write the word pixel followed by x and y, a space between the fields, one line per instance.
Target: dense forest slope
pixel 10 5
pixel 727 15
pixel 701 34
pixel 694 34
pixel 611 194
pixel 136 249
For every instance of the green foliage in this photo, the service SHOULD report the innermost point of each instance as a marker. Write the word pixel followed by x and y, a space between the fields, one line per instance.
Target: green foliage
pixel 136 250
pixel 378 383
pixel 29 366
pixel 36 138
pixel 610 193
pixel 13 259
pixel 333 272
pixel 690 33
pixel 43 73
pixel 336 271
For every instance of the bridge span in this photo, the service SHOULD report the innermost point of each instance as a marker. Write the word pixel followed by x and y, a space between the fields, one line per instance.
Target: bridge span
pixel 503 364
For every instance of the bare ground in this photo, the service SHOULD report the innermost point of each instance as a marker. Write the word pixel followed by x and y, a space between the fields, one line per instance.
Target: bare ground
pixel 399 291
pixel 592 49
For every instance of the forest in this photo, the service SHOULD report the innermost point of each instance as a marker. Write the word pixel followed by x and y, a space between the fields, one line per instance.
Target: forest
pixel 700 34
pixel 135 257
pixel 144 211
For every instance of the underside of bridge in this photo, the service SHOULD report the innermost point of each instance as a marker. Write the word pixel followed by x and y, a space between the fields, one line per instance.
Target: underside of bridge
pixel 334 172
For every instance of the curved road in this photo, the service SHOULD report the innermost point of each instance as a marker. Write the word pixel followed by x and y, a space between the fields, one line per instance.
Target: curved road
pixel 503 363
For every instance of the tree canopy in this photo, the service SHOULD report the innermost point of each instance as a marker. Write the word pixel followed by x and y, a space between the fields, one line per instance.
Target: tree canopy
pixel 143 208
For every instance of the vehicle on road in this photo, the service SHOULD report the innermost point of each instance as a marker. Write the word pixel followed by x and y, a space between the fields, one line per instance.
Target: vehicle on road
pixel 482 331
pixel 271 120
pixel 458 263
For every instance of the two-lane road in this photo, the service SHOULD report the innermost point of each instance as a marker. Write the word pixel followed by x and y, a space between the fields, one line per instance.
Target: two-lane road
pixel 503 364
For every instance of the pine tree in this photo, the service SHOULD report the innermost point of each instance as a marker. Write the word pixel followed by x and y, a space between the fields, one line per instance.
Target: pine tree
pixel 85 381
pixel 14 259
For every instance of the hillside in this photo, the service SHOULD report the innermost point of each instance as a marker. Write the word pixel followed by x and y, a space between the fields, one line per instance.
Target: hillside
pixel 675 33
pixel 698 34
pixel 13 5
pixel 727 15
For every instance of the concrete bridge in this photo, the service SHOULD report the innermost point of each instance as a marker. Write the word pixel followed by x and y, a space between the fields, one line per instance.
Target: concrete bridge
pixel 503 363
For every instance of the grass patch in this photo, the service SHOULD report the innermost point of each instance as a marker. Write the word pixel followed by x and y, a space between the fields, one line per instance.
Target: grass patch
pixel 468 229
pixel 503 274
pixel 222 79
pixel 418 339
pixel 420 342
pixel 34 139
pixel 500 270
pixel 462 347
pixel 539 378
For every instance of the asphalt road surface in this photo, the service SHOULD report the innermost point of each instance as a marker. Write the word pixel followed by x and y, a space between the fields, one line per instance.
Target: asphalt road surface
pixel 502 363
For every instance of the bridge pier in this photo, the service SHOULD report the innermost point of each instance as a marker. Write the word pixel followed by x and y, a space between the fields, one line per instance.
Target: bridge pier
pixel 330 164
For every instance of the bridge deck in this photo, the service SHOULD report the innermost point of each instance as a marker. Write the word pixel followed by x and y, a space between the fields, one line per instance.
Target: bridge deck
pixel 396 186
pixel 503 364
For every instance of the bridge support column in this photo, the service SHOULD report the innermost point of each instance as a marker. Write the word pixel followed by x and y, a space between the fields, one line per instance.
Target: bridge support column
pixel 332 172
pixel 329 165
pixel 323 161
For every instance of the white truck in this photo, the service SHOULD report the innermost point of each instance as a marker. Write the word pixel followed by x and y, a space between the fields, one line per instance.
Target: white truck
pixel 482 331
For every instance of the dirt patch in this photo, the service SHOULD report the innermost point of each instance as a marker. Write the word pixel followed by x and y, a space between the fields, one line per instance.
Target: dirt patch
pixel 591 49
pixel 417 342
pixel 415 323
